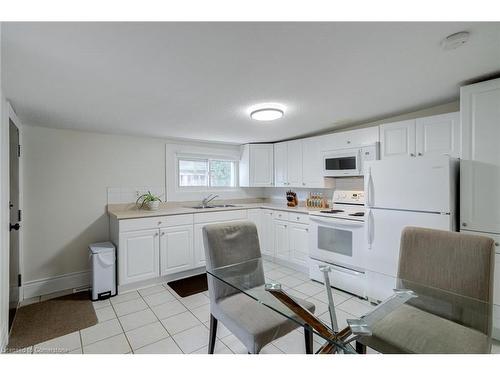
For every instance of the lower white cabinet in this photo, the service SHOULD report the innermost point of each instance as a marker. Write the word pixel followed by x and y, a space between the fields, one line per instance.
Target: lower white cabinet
pixel 267 233
pixel 255 216
pixel 138 256
pixel 176 249
pixel 299 243
pixel 281 243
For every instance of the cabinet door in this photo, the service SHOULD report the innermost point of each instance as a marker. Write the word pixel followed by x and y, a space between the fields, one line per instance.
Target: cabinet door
pixel 280 164
pixel 267 237
pixel 480 165
pixel 397 139
pixel 255 216
pixel 439 135
pixel 281 244
pixel 299 243
pixel 261 165
pixel 176 249
pixel 199 249
pixel 138 256
pixel 312 173
pixel 294 163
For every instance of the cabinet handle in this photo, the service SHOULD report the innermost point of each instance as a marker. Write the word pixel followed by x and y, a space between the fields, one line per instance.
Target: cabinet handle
pixel 497 244
pixel 464 224
pixel 162 233
pixel 303 184
pixel 159 223
pixel 348 142
pixel 419 154
pixel 156 234
pixel 412 154
pixel 298 218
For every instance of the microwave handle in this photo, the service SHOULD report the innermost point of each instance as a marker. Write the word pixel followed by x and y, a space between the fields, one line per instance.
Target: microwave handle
pixel 369 228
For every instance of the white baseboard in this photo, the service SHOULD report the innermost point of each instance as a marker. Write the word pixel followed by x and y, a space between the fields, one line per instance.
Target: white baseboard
pixel 49 285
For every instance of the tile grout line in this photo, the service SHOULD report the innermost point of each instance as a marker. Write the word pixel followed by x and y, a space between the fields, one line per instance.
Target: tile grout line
pixel 123 331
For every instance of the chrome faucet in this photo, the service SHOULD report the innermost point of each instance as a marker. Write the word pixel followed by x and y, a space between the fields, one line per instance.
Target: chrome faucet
pixel 208 199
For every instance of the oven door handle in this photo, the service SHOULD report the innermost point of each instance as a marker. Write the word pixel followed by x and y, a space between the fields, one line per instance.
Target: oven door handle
pixel 331 223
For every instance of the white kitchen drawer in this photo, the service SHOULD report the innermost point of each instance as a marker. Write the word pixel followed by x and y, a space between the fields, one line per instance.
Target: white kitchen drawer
pixel 155 222
pixel 212 217
pixel 280 215
pixel 298 218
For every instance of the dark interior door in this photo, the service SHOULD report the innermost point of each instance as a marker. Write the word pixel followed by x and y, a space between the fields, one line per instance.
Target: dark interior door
pixel 15 218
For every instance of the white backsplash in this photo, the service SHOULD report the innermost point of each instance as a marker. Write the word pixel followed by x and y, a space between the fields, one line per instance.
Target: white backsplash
pixel 130 194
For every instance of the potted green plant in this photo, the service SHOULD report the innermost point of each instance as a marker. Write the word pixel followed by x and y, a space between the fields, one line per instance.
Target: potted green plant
pixel 148 200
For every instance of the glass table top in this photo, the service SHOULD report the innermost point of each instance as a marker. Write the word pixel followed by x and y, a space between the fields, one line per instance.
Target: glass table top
pixel 427 314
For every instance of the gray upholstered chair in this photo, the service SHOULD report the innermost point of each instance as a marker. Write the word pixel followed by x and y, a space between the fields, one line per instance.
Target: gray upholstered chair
pixel 253 324
pixel 459 263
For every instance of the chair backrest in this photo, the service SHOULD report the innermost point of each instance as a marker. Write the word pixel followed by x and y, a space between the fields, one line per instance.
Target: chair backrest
pixel 459 263
pixel 231 243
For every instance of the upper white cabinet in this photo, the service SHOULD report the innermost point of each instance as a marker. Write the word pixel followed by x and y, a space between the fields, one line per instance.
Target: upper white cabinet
pixel 280 164
pixel 433 135
pixel 138 256
pixel 256 167
pixel 349 139
pixel 480 165
pixel 397 139
pixel 176 249
pixel 312 173
pixel 294 163
pixel 438 135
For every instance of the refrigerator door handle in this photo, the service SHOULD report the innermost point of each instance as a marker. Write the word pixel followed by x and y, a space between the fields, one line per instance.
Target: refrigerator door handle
pixel 369 229
pixel 369 188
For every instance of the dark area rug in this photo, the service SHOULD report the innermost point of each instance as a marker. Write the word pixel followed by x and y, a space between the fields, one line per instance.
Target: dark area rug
pixel 46 320
pixel 190 285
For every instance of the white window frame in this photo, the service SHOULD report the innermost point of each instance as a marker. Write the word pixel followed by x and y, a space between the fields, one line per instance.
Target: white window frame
pixel 207 158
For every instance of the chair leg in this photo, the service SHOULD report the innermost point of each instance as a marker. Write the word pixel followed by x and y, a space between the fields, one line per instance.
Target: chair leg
pixel 308 337
pixel 360 348
pixel 213 334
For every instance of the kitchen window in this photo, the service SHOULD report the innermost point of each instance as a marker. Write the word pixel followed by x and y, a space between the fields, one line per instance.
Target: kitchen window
pixel 206 173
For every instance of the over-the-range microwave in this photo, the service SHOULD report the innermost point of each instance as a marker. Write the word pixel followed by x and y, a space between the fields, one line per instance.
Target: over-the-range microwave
pixel 349 161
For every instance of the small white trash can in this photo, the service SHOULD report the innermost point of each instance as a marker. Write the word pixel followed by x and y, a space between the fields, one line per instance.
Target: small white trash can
pixel 103 270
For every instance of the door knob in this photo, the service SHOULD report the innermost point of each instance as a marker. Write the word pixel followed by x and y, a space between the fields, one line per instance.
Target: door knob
pixel 16 226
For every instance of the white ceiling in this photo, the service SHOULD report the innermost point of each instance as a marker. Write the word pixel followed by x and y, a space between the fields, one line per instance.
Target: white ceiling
pixel 196 80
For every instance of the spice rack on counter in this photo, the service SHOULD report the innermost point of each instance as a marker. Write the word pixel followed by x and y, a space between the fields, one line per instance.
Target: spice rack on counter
pixel 316 200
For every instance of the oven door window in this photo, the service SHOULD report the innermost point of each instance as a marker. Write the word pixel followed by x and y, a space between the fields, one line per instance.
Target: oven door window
pixel 338 241
pixel 340 164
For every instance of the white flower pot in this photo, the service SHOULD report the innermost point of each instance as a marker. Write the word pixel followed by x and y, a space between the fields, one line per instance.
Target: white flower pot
pixel 153 206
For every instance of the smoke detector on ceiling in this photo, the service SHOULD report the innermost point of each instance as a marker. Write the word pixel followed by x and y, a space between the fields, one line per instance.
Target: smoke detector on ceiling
pixel 454 41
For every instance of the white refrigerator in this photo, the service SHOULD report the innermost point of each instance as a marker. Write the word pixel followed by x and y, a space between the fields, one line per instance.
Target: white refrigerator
pixel 419 191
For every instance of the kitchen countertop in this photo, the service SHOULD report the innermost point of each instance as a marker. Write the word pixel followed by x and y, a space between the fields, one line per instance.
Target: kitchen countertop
pixel 130 212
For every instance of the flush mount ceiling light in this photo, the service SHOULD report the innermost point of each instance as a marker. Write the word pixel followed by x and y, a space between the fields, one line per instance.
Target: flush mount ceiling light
pixel 267 112
pixel 454 41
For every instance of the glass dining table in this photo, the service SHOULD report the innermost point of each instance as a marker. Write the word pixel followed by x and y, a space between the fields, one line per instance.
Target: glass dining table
pixel 415 319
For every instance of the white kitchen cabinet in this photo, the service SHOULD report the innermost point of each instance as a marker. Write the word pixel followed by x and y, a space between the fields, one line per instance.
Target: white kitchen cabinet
pixel 255 216
pixel 138 256
pixel 349 139
pixel 312 172
pixel 281 240
pixel 176 249
pixel 299 243
pixel 438 135
pixel 256 166
pixel 480 165
pixel 397 139
pixel 432 135
pixel 267 233
pixel 294 163
pixel 280 164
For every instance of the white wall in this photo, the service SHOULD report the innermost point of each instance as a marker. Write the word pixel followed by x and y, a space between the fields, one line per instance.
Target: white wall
pixel 4 198
pixel 66 175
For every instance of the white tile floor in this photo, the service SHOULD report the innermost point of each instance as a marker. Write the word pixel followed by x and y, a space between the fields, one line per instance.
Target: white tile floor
pixel 157 320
